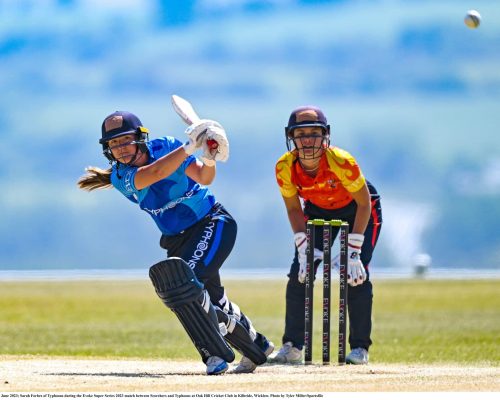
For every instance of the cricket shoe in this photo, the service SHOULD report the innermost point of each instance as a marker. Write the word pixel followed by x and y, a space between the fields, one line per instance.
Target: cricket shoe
pixel 288 354
pixel 216 365
pixel 246 365
pixel 358 356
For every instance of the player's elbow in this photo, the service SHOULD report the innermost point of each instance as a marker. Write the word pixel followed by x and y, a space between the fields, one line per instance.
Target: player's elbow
pixel 207 180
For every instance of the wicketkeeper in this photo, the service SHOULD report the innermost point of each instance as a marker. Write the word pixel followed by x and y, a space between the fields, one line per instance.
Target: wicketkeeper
pixel 167 181
pixel 330 184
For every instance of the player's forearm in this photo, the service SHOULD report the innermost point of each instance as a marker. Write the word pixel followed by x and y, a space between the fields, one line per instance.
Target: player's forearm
pixel 295 213
pixel 201 173
pixel 297 220
pixel 160 169
pixel 361 219
pixel 207 174
pixel 362 199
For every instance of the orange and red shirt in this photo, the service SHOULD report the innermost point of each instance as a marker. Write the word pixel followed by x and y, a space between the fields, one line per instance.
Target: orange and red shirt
pixel 338 176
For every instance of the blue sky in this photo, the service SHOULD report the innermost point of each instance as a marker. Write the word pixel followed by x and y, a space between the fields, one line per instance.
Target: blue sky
pixel 409 90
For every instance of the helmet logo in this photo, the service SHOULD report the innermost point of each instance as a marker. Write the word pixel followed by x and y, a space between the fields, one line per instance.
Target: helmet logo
pixel 306 115
pixel 114 122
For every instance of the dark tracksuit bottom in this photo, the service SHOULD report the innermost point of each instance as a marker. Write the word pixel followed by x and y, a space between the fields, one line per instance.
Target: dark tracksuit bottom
pixel 360 297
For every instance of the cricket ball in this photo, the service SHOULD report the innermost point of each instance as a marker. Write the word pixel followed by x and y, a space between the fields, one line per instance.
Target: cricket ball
pixel 472 19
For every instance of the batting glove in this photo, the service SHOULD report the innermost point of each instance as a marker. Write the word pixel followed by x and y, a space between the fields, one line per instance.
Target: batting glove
pixel 356 273
pixel 216 146
pixel 209 146
pixel 197 134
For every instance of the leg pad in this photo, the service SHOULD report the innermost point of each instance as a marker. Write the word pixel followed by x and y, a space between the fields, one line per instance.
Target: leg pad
pixel 180 290
pixel 240 338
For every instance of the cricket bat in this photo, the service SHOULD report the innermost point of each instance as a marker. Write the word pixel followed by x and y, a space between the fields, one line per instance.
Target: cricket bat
pixel 185 110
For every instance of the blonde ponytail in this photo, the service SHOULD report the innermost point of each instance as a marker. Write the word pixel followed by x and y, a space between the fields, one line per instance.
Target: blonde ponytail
pixel 95 178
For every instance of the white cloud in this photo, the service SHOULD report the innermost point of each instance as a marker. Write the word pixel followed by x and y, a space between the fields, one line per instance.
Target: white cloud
pixel 479 182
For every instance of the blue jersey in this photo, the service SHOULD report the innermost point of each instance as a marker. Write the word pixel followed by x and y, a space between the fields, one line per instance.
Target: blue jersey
pixel 176 202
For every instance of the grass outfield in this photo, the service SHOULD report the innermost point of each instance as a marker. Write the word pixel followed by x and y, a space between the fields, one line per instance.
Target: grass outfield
pixel 414 321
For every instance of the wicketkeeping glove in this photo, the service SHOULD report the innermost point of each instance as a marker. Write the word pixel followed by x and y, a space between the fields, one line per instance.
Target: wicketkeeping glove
pixel 356 273
pixel 301 243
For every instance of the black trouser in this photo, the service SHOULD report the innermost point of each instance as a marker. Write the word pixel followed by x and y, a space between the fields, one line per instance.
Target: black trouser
pixel 360 297
pixel 205 246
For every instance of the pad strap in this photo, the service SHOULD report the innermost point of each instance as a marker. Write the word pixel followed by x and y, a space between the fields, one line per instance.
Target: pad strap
pixel 240 338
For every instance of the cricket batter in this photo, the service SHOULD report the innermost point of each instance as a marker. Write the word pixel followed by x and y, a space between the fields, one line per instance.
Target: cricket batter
pixel 166 180
pixel 321 181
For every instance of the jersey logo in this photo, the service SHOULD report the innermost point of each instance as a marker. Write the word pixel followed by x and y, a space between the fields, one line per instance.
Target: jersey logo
pixel 170 204
pixel 202 245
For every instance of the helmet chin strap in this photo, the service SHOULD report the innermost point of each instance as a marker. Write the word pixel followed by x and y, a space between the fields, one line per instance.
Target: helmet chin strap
pixel 134 158
pixel 130 163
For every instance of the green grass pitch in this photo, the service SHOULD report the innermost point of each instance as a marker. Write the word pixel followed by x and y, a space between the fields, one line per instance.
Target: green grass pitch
pixel 414 321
